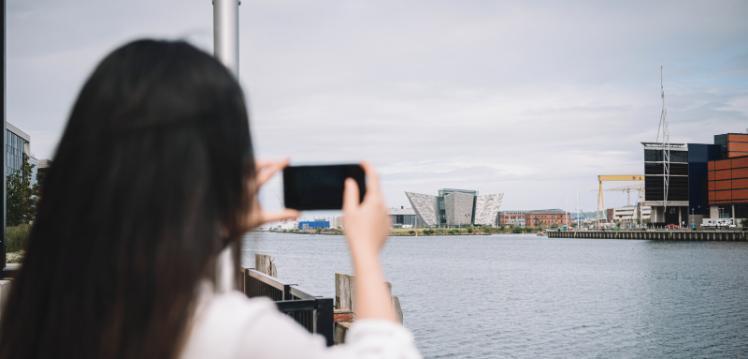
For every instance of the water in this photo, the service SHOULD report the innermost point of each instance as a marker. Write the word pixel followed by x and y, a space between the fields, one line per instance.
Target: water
pixel 532 297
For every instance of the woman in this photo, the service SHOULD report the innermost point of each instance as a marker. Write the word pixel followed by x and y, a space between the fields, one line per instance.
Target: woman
pixel 153 179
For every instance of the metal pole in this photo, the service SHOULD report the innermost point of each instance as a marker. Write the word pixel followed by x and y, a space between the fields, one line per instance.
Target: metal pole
pixel 2 138
pixel 226 33
pixel 226 50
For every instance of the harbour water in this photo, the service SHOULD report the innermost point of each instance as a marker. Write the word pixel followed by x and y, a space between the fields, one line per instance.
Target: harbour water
pixel 533 297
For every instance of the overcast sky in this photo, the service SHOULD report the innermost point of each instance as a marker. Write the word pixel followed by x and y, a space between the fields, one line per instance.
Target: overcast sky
pixel 529 98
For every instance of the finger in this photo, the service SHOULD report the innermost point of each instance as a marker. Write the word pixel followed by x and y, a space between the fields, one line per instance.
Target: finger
pixel 260 164
pixel 270 170
pixel 350 194
pixel 372 178
pixel 283 215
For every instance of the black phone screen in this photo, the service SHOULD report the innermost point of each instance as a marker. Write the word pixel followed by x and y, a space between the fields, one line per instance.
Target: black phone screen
pixel 319 187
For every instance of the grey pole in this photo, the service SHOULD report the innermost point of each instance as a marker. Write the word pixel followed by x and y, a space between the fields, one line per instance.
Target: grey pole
pixel 2 137
pixel 226 33
pixel 226 50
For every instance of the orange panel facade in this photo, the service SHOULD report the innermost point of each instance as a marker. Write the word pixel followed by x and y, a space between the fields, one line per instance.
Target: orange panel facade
pixel 722 165
pixel 737 137
pixel 737 145
pixel 739 162
pixel 728 179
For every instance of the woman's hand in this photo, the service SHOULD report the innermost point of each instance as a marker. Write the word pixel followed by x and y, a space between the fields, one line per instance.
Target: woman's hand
pixel 366 224
pixel 264 171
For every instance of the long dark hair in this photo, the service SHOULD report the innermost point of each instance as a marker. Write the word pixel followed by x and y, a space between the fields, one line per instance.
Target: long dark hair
pixel 147 186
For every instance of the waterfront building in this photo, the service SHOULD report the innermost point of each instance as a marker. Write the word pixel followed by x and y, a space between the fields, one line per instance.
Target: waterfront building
pixel 336 222
pixel 728 178
pixel 545 218
pixel 17 145
pixel 645 212
pixel 705 180
pixel 732 144
pixel 486 209
pixel 630 216
pixel 404 218
pixel 314 224
pixel 453 207
pixel 666 182
pixel 699 156
pixel 512 218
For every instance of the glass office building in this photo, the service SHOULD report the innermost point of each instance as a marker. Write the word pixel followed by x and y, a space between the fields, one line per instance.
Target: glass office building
pixel 670 207
pixel 16 148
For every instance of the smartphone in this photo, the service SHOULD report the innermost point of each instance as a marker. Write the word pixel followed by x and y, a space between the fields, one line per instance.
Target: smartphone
pixel 320 187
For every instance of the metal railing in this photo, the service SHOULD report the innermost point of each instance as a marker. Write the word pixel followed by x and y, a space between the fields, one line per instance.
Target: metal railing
pixel 314 313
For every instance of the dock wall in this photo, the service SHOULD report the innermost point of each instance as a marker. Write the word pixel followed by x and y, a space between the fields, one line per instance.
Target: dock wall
pixel 655 235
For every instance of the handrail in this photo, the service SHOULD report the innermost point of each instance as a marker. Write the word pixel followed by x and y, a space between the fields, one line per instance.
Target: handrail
pixel 315 313
pixel 262 277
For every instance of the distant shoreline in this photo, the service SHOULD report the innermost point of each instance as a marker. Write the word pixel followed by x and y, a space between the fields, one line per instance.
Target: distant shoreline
pixel 413 232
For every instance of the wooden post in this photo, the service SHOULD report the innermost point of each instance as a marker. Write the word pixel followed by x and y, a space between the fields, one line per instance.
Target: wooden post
pixel 398 309
pixel 345 296
pixel 265 264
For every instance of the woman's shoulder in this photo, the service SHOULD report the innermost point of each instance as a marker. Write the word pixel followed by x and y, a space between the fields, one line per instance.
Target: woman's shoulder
pixel 219 323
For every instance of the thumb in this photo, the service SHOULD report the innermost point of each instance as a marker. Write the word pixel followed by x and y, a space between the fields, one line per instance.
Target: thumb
pixel 350 194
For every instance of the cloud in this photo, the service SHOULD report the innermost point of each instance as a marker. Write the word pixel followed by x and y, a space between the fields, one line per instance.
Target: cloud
pixel 533 99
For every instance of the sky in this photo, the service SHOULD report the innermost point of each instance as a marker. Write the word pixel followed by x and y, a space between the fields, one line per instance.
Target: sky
pixel 532 99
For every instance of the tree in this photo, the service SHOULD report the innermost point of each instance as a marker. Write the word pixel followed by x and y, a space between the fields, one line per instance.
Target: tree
pixel 21 196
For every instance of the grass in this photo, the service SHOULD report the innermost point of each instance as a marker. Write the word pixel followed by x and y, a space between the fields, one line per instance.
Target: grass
pixel 16 237
pixel 430 231
pixel 15 242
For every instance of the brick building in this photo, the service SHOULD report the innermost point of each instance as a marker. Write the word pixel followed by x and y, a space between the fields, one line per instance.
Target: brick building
pixel 536 218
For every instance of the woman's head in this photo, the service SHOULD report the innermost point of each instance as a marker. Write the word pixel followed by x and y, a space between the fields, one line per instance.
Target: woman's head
pixel 148 184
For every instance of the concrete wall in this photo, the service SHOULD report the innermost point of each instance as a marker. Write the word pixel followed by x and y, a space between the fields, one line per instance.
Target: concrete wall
pixel 459 208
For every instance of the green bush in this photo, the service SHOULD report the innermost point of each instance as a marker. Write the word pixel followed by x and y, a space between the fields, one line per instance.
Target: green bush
pixel 16 237
pixel 517 230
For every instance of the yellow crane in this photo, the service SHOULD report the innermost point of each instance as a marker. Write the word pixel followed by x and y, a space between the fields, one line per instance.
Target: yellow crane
pixel 639 188
pixel 609 178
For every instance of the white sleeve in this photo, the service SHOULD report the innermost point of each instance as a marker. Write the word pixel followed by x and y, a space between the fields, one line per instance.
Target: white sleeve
pixel 272 334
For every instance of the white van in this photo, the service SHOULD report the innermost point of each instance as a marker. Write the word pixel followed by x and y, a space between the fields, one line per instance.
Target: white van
pixel 718 223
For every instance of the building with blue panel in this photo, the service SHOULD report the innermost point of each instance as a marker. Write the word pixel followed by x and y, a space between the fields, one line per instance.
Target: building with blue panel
pixel 698 157
pixel 315 224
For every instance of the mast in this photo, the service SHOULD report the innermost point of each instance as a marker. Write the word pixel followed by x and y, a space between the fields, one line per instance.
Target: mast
pixel 663 136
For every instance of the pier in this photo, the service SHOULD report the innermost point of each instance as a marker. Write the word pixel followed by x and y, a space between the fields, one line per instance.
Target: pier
pixel 660 235
pixel 319 315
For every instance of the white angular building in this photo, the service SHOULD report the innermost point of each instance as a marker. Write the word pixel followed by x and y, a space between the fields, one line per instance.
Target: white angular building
pixel 487 209
pixel 456 207
pixel 425 207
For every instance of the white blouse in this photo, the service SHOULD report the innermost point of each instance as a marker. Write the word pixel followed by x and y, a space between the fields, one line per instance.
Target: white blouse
pixel 230 325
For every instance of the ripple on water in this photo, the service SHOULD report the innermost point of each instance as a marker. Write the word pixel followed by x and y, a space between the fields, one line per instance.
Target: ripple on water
pixel 527 297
